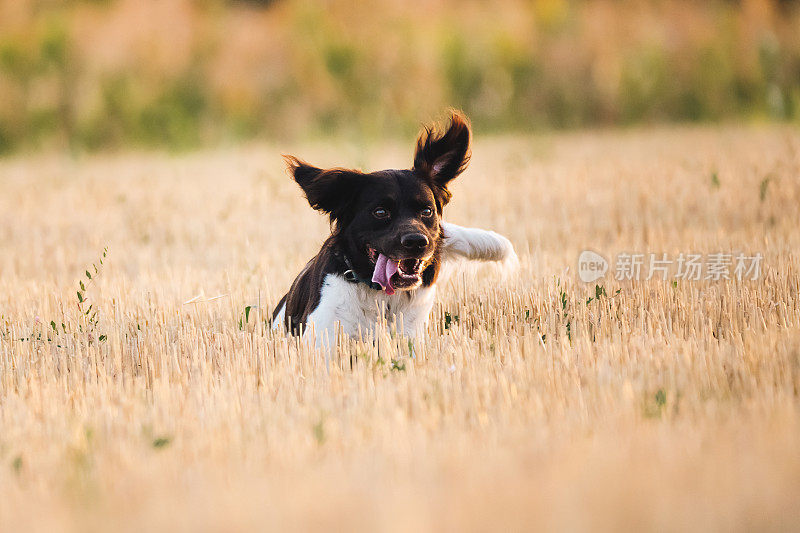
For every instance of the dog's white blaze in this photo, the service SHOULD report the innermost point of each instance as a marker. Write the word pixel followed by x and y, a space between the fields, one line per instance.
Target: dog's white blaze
pixel 353 307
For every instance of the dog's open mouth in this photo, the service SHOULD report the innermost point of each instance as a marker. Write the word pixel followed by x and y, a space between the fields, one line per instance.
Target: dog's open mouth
pixel 394 274
pixel 409 268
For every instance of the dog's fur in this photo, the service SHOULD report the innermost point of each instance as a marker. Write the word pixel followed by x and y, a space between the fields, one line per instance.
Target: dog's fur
pixel 397 213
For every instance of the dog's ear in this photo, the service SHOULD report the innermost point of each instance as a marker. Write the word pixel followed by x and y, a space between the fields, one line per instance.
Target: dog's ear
pixel 330 191
pixel 440 157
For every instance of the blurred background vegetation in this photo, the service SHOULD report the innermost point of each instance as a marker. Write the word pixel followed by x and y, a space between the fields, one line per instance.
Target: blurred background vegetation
pixel 100 74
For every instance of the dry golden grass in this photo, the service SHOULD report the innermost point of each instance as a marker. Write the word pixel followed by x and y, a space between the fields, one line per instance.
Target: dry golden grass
pixel 669 408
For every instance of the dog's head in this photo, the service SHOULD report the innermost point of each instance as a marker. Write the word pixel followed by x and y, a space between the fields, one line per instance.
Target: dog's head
pixel 392 215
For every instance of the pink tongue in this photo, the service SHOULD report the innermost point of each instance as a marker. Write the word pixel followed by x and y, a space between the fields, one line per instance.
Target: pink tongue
pixel 384 270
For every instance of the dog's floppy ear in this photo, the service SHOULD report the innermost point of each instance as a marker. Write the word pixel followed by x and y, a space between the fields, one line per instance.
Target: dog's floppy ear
pixel 330 191
pixel 440 157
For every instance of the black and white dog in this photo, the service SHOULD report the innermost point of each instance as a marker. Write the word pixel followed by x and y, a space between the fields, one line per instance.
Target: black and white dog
pixel 388 241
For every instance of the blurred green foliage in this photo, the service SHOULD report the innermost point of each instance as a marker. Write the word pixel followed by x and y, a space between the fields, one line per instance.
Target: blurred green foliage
pixel 99 74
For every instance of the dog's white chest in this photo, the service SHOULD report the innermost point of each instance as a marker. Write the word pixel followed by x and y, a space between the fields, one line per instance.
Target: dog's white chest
pixel 356 308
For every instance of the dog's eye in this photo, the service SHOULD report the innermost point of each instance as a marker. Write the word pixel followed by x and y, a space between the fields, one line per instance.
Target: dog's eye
pixel 427 212
pixel 380 213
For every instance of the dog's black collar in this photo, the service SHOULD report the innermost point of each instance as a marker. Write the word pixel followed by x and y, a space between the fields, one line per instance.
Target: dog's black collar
pixel 351 275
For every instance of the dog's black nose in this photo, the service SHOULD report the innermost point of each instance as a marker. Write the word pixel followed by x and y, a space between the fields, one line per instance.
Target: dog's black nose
pixel 414 241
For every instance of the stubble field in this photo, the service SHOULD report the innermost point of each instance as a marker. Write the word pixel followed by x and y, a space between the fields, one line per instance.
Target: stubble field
pixel 536 401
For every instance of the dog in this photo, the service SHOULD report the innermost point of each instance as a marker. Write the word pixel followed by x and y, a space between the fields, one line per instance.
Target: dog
pixel 388 241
